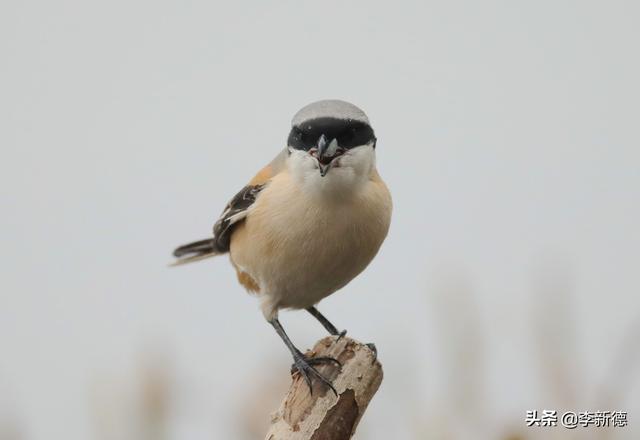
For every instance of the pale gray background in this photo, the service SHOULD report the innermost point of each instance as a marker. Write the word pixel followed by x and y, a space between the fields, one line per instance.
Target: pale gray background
pixel 509 137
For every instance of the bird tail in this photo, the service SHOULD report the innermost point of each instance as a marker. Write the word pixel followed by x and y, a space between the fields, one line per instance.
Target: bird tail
pixel 196 251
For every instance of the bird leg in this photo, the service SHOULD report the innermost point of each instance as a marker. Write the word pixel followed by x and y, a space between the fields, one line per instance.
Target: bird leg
pixel 334 331
pixel 326 323
pixel 302 364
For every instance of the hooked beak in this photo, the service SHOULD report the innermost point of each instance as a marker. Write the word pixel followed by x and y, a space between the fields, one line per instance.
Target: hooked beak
pixel 325 153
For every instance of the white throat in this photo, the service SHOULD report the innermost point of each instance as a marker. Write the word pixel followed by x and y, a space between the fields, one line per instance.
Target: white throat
pixel 346 176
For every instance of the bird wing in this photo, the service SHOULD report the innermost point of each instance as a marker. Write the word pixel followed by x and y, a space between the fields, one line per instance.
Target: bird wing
pixel 234 212
pixel 238 208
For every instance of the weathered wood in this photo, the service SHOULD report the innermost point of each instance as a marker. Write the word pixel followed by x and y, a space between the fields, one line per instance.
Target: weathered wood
pixel 321 415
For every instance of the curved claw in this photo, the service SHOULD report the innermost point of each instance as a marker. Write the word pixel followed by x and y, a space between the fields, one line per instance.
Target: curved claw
pixel 323 360
pixel 317 361
pixel 373 348
pixel 305 368
pixel 341 334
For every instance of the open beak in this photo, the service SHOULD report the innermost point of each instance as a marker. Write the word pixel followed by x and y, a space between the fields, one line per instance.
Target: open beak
pixel 325 153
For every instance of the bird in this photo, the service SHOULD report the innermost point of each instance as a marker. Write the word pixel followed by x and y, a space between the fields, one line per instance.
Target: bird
pixel 308 222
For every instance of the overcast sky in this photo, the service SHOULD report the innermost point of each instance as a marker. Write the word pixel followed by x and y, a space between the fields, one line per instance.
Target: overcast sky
pixel 508 135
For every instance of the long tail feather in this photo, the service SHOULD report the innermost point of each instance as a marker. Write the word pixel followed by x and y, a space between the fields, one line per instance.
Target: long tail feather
pixel 196 251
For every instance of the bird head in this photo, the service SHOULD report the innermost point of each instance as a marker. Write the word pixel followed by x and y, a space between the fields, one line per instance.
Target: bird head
pixel 331 140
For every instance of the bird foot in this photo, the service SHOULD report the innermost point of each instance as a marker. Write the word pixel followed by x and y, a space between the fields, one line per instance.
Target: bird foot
pixel 341 335
pixel 374 350
pixel 304 366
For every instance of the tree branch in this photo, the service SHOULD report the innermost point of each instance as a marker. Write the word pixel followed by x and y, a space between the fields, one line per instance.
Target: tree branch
pixel 322 415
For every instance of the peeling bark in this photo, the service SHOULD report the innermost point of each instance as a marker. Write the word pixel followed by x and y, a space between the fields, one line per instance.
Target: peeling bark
pixel 321 415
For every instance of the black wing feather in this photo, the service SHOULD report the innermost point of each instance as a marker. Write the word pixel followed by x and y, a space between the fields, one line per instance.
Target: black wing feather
pixel 232 213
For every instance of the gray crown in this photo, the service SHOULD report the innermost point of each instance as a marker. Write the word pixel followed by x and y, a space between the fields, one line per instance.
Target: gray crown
pixel 329 108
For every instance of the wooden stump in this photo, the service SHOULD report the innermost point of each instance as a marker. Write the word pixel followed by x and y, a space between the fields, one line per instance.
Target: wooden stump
pixel 321 415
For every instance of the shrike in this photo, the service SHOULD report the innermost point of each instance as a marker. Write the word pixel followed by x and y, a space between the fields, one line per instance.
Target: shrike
pixel 308 222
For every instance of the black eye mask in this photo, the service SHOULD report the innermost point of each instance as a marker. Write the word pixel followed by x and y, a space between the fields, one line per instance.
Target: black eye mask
pixel 348 133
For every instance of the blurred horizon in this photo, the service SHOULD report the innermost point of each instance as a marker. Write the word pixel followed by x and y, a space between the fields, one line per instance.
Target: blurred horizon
pixel 507 134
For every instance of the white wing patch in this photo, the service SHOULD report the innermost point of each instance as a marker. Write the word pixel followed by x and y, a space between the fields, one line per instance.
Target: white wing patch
pixel 235 211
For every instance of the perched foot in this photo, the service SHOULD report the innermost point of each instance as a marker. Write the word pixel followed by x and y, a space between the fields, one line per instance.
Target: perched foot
pixel 373 348
pixel 304 366
pixel 317 361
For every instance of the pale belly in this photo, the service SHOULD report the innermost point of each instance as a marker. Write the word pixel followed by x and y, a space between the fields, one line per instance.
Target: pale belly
pixel 298 251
